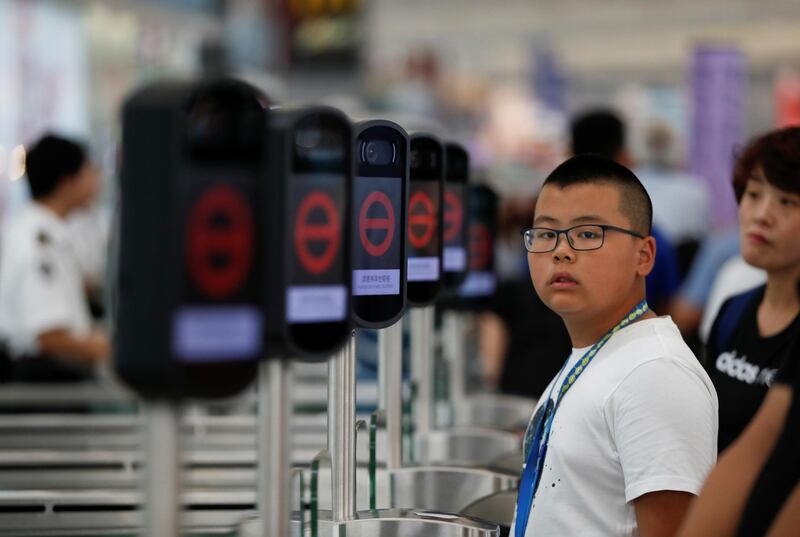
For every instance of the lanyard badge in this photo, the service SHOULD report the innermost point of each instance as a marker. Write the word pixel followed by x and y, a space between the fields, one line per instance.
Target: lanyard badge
pixel 538 435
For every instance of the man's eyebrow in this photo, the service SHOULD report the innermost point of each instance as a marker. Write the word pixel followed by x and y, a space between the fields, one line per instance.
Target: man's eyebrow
pixel 544 219
pixel 588 218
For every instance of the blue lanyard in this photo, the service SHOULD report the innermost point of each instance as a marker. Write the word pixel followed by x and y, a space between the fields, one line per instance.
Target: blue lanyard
pixel 534 460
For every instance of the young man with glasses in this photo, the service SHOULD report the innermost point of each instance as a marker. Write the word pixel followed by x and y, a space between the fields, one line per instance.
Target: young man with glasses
pixel 624 435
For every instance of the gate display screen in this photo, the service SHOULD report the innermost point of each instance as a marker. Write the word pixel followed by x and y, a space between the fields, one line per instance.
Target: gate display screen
pixel 456 216
pixel 317 300
pixel 377 259
pixel 424 229
pixel 423 232
pixel 379 216
pixel 218 318
pixel 481 280
pixel 315 293
pixel 455 252
pixel 190 316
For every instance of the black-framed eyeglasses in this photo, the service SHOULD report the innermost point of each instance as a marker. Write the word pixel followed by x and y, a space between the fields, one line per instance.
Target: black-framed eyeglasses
pixel 540 240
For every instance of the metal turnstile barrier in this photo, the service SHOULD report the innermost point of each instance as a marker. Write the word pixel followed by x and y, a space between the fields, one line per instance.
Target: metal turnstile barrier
pixel 102 513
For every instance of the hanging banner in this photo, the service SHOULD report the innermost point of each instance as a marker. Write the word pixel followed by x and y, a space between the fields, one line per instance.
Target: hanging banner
pixel 717 96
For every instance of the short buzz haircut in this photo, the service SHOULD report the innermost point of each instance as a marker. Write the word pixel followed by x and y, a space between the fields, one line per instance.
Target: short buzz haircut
pixel 598 131
pixel 51 160
pixel 777 155
pixel 635 203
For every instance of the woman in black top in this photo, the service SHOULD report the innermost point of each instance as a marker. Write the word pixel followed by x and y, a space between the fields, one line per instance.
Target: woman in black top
pixel 753 489
pixel 749 339
pixel 779 476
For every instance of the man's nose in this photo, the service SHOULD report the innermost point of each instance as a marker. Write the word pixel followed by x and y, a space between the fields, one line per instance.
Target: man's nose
pixel 563 251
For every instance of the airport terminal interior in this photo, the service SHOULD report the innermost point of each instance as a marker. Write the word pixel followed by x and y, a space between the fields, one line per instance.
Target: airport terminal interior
pixel 319 268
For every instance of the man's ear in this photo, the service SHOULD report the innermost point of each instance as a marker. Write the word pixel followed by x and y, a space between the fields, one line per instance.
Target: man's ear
pixel 647 256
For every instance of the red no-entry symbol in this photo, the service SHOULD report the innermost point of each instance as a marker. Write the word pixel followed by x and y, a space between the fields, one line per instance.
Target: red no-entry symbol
pixel 421 223
pixel 480 246
pixel 324 232
pixel 220 241
pixel 386 224
pixel 453 215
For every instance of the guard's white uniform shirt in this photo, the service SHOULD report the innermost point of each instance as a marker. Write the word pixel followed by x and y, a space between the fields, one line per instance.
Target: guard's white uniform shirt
pixel 41 287
pixel 88 233
pixel 641 418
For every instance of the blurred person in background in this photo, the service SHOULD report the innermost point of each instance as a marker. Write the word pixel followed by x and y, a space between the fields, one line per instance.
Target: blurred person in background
pixel 523 343
pixel 44 315
pixel 693 297
pixel 735 276
pixel 602 132
pixel 417 92
pixel 516 211
pixel 681 201
pixel 752 334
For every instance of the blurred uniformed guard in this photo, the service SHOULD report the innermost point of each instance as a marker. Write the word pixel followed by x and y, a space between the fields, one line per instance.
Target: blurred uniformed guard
pixel 44 317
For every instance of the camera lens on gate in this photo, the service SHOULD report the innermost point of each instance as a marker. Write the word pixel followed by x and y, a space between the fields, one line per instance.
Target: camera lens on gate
pixel 378 153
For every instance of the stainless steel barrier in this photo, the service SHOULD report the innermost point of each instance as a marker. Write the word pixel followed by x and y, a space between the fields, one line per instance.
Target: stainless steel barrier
pixel 496 411
pixel 498 507
pixel 467 446
pixel 395 523
pixel 111 396
pixel 447 489
pixel 102 512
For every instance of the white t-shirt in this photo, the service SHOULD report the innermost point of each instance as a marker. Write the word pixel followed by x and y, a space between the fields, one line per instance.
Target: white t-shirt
pixel 41 287
pixel 641 418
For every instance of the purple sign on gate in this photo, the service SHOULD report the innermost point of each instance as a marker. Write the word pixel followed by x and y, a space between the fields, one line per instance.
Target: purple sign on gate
pixel 717 96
